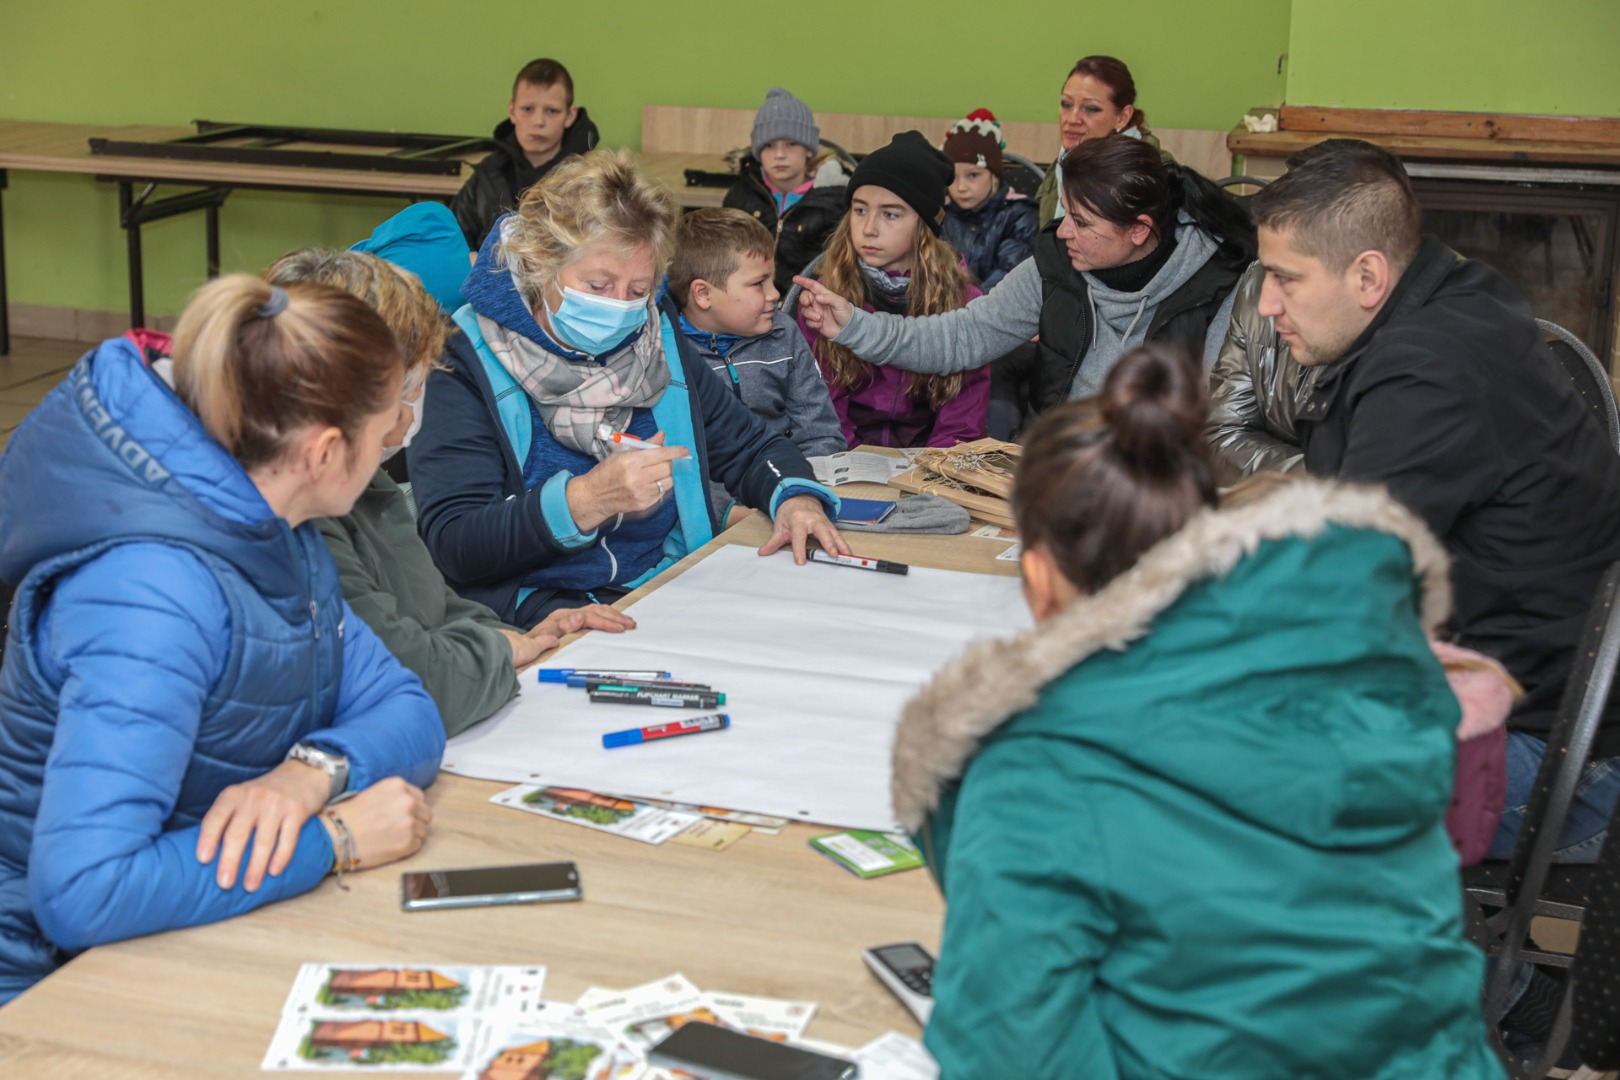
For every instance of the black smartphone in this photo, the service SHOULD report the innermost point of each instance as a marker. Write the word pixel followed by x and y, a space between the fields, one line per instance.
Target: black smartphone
pixel 716 1053
pixel 478 886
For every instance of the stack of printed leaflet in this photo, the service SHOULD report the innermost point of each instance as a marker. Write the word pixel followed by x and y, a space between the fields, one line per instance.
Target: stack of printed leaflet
pixel 869 854
pixel 651 821
pixel 438 1018
pixel 857 467
pixel 490 1022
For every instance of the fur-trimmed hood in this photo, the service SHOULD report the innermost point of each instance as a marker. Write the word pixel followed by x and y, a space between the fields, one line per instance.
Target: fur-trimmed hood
pixel 943 726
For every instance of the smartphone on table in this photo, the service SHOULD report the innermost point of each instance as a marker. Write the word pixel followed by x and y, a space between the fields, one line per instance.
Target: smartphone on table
pixel 716 1053
pixel 907 970
pixel 481 886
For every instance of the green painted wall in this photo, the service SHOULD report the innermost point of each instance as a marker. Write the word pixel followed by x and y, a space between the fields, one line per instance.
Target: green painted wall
pixel 1558 57
pixel 419 65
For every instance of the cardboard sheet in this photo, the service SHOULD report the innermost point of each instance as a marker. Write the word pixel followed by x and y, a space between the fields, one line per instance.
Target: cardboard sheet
pixel 816 662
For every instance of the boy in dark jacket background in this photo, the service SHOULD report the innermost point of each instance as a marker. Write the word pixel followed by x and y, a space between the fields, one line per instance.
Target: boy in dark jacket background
pixel 721 278
pixel 786 187
pixel 542 126
pixel 990 225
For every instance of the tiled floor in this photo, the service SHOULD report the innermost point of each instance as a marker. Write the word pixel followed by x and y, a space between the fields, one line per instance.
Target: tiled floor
pixel 34 366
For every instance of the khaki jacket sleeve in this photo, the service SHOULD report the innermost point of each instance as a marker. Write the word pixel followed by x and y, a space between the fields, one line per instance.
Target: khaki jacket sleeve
pixel 465 663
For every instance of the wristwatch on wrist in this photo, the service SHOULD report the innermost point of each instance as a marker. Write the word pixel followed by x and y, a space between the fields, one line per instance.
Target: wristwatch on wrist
pixel 335 766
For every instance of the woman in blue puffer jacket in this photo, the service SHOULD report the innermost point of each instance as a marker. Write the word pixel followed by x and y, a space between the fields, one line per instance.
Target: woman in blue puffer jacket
pixel 184 689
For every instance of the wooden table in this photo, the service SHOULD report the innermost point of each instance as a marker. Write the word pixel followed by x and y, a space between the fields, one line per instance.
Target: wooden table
pixel 769 916
pixel 65 148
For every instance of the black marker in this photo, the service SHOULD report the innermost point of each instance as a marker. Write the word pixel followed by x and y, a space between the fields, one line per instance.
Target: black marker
pixel 591 682
pixel 882 566
pixel 619 694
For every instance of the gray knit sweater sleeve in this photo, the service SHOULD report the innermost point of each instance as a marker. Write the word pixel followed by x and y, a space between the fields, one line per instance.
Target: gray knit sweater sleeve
pixel 961 340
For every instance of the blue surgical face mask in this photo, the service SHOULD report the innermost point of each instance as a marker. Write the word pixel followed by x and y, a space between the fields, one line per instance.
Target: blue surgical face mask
pixel 595 324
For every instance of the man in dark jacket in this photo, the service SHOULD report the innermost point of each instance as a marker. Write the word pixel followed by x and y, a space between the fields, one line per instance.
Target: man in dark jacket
pixel 1433 382
pixel 542 127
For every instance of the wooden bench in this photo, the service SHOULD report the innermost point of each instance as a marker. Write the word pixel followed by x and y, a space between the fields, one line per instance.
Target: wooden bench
pixel 695 130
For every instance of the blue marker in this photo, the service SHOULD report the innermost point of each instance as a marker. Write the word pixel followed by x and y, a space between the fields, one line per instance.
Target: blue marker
pixel 561 674
pixel 694 726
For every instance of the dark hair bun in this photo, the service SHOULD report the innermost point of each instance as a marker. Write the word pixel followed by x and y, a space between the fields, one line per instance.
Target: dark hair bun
pixel 1153 404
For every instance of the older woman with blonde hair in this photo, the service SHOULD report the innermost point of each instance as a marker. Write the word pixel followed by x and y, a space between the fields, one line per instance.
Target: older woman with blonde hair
pixel 465 656
pixel 535 482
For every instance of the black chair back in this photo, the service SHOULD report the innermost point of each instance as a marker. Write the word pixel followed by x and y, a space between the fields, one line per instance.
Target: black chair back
pixel 1589 377
pixel 1243 198
pixel 1569 744
pixel 1595 978
pixel 1021 174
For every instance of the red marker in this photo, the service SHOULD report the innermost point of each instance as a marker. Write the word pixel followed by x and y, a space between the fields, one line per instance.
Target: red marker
pixel 694 726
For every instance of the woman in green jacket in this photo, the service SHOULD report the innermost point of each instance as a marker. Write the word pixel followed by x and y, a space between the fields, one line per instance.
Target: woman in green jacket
pixel 1191 824
pixel 465 656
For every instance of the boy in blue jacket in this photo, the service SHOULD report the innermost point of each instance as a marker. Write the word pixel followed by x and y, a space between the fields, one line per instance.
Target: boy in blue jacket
pixel 722 279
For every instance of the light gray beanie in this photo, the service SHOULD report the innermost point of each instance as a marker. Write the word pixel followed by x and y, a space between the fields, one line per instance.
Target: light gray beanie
pixel 784 116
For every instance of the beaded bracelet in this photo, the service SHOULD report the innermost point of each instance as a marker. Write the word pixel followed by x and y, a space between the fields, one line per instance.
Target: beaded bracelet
pixel 345 858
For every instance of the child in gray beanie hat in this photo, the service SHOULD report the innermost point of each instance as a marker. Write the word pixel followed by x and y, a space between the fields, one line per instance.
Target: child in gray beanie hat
pixel 782 187
pixel 784 116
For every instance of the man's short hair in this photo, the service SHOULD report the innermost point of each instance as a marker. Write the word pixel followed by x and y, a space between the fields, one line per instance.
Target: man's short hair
pixel 711 244
pixel 1341 197
pixel 545 72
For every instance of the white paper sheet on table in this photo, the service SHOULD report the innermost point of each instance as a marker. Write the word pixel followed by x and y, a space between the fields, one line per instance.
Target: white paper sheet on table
pixel 816 662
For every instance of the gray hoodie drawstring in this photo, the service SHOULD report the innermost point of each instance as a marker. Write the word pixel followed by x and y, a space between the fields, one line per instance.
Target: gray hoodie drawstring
pixel 1139 310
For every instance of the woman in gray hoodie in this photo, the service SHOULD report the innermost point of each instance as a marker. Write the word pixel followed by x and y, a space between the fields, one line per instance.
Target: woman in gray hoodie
pixel 1145 251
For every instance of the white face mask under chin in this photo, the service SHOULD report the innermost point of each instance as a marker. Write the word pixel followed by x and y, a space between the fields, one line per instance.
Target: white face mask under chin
pixel 410 432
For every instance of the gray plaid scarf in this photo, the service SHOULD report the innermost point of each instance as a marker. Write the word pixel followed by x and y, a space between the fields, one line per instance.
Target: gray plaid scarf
pixel 577 399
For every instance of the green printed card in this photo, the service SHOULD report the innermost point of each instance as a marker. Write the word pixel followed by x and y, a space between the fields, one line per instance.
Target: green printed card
pixel 869 854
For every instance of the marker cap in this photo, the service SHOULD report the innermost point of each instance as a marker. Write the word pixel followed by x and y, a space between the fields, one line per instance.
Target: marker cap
pixel 621 738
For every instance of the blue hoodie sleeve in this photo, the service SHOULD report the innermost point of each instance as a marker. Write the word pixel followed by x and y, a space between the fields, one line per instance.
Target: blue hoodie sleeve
pixel 386 724
pixel 136 639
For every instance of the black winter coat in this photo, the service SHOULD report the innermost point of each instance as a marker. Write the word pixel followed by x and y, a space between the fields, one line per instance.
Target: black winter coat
pixel 1451 401
pixel 801 233
pixel 499 181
